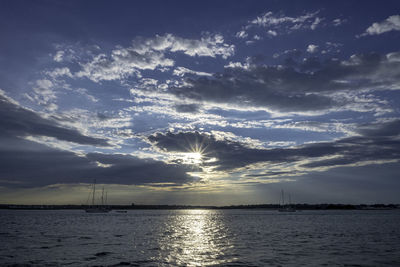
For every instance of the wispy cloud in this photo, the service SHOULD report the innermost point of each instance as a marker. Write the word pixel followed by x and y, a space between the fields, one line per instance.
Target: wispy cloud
pixel 278 23
pixel 270 19
pixel 44 94
pixel 149 54
pixel 392 23
pixel 337 22
pixel 182 71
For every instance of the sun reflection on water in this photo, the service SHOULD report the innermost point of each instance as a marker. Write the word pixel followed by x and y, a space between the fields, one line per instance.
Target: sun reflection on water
pixel 195 238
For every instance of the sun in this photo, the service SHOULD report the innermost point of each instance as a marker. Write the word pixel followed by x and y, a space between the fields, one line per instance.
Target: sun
pixel 192 157
pixel 194 153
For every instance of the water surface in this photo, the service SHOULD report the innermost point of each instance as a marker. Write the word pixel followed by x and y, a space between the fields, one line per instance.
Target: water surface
pixel 200 238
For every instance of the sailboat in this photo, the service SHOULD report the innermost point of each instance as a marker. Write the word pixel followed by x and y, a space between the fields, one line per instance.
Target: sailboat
pixel 285 207
pixel 103 208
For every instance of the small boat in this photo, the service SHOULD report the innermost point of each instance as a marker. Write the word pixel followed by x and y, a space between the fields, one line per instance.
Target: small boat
pixel 103 208
pixel 285 207
pixel 121 211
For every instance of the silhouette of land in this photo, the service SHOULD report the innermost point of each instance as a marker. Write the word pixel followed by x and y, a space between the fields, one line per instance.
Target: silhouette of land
pixel 178 207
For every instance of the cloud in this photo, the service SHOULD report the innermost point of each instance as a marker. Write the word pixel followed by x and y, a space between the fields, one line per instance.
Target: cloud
pixel 384 129
pixel 126 169
pixel 208 45
pixel 58 57
pixel 393 57
pixel 182 71
pixel 315 24
pixel 306 86
pixel 226 153
pixel 41 166
pixel 379 144
pixel 16 121
pixel 44 95
pixel 218 152
pixel 235 91
pixel 26 163
pixel 237 65
pixel 59 72
pixel 280 23
pixel 276 24
pixel 241 34
pixel 84 92
pixel 392 23
pixel 269 19
pixel 312 48
pixel 121 64
pixel 316 126
pixel 291 53
pixel 187 108
pixel 149 54
pixel 338 22
pixel 331 48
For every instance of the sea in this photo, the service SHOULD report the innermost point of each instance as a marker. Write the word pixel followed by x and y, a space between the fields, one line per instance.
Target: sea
pixel 200 238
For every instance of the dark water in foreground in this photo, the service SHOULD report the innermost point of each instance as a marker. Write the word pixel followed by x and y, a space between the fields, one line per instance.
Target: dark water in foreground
pixel 200 237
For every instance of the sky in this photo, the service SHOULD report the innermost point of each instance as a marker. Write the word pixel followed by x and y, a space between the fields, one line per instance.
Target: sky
pixel 200 102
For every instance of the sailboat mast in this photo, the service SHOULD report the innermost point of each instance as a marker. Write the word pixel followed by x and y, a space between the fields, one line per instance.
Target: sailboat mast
pixel 94 192
pixel 283 198
pixel 102 197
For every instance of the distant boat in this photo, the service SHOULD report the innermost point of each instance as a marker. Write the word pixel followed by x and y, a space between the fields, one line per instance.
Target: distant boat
pixel 103 208
pixel 285 207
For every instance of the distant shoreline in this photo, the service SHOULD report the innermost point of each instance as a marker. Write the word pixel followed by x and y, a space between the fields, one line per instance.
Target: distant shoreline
pixel 181 207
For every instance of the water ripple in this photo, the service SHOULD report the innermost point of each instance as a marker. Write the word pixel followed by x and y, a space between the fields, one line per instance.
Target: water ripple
pixel 200 238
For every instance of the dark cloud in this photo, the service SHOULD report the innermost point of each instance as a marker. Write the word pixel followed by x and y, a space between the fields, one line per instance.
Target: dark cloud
pixel 244 88
pixel 187 108
pixel 390 128
pixel 133 170
pixel 102 117
pixel 361 149
pixel 297 86
pixel 231 154
pixel 31 164
pixel 16 121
